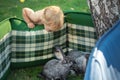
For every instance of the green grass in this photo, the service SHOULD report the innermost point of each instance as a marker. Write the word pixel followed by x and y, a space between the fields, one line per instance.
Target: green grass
pixel 13 8
pixel 31 74
pixel 24 74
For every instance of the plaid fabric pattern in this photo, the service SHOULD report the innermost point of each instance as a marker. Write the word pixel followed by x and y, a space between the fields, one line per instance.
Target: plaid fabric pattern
pixel 27 46
pixel 5 50
pixel 80 37
pixel 35 45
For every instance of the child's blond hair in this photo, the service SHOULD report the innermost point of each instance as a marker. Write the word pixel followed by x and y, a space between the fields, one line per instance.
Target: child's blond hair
pixel 53 17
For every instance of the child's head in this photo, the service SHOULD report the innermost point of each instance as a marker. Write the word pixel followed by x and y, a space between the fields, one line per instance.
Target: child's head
pixel 53 18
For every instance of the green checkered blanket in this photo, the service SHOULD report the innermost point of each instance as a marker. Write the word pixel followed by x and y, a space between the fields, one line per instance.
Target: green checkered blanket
pixel 80 37
pixel 35 45
pixel 5 51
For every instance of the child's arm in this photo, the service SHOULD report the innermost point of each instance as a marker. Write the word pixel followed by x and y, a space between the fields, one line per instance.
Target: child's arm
pixel 28 15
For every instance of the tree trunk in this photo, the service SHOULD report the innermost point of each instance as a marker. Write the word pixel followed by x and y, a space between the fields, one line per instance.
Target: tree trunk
pixel 105 13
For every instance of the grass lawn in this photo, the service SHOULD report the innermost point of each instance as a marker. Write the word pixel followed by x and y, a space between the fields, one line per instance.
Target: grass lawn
pixel 13 8
pixel 31 74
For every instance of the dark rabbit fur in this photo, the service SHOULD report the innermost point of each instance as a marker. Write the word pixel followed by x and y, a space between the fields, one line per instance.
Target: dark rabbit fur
pixel 80 61
pixel 57 69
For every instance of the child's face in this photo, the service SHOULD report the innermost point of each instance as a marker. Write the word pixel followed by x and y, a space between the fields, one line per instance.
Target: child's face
pixel 49 27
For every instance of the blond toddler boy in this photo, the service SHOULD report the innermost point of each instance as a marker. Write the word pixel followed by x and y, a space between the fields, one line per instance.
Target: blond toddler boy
pixel 52 17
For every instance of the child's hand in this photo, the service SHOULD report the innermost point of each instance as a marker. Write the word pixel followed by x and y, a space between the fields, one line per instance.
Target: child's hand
pixel 31 25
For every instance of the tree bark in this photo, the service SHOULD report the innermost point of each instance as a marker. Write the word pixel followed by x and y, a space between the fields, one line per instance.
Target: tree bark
pixel 105 13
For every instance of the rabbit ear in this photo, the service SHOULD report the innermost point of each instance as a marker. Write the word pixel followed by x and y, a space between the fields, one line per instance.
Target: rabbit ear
pixel 58 52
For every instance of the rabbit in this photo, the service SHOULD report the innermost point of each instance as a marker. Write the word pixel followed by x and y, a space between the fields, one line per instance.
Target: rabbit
pixel 80 61
pixel 57 69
